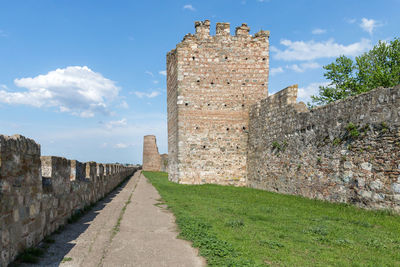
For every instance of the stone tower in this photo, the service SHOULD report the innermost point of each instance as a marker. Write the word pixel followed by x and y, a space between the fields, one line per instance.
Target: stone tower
pixel 212 81
pixel 151 157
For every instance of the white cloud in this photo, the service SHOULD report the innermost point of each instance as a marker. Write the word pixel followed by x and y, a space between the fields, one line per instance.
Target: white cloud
pixel 163 72
pixel 310 50
pixel 124 105
pixel 113 124
pixel 305 93
pixel 101 140
pixel 369 25
pixel 304 66
pixel 350 21
pixel 274 71
pixel 148 95
pixel 149 73
pixel 318 31
pixel 76 90
pixel 3 34
pixel 155 82
pixel 189 7
pixel 121 145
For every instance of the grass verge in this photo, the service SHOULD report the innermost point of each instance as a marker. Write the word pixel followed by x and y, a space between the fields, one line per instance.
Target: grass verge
pixel 234 226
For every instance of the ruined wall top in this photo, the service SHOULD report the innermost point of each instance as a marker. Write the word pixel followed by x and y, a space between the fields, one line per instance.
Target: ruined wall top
pixel 222 32
pixel 151 156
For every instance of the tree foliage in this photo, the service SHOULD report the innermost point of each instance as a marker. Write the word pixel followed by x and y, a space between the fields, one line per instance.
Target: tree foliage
pixel 378 67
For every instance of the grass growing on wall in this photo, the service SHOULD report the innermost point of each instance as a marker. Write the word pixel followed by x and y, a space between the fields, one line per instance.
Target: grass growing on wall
pixel 247 227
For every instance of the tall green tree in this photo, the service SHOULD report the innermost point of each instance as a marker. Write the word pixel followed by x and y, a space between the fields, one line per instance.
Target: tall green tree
pixel 378 67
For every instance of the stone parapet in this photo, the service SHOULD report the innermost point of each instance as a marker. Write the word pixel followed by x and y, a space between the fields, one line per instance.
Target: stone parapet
pixel 38 194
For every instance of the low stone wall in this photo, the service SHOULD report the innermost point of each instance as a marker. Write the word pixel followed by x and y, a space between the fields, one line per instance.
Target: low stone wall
pixel 38 194
pixel 347 151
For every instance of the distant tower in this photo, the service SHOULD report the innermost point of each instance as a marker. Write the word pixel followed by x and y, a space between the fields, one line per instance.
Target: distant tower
pixel 212 81
pixel 151 157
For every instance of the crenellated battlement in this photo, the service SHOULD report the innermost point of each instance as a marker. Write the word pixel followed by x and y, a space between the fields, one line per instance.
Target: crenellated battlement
pixel 222 32
pixel 243 30
pixel 202 28
pixel 38 194
pixel 223 29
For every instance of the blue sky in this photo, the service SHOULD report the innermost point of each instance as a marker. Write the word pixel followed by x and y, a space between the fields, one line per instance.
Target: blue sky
pixel 86 79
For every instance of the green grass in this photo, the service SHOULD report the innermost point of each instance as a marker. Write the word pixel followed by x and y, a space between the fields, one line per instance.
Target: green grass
pixel 66 259
pixel 116 227
pixel 30 255
pixel 247 227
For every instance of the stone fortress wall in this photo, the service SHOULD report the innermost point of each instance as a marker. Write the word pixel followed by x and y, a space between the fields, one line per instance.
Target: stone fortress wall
pixel 38 194
pixel 151 156
pixel 223 128
pixel 152 160
pixel 164 163
pixel 346 151
pixel 211 83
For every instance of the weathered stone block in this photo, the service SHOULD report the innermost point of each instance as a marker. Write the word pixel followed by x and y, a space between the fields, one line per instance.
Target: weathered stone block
pixel 78 170
pixel 56 172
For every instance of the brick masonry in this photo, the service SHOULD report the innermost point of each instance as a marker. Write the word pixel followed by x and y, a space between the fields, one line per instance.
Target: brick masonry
pixel 211 83
pixel 38 194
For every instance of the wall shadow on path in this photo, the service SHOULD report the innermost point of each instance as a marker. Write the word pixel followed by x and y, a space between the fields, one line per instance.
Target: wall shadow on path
pixel 56 252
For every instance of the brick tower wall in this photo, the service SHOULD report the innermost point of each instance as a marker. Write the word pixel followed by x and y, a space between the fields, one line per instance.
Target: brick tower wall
pixel 151 157
pixel 212 81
